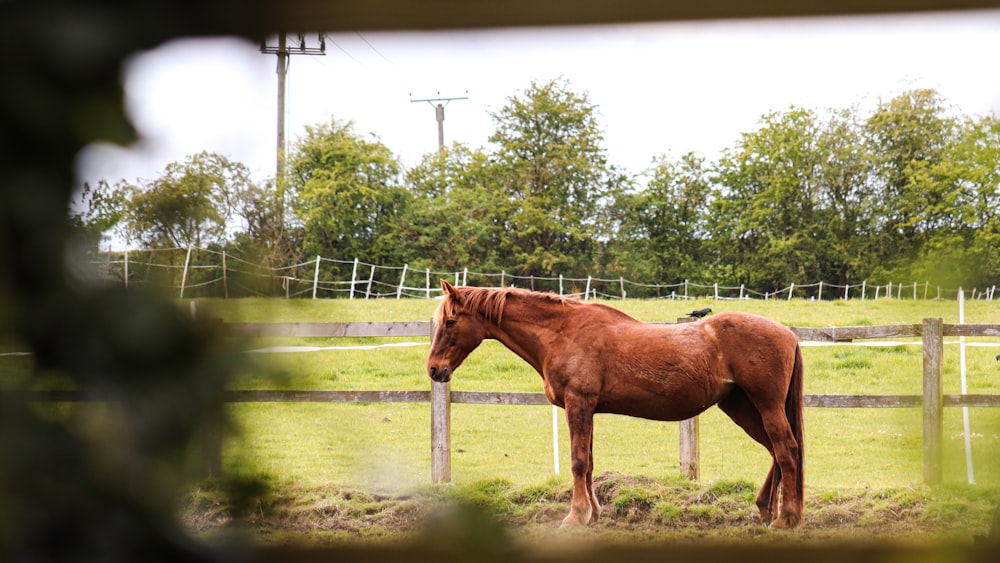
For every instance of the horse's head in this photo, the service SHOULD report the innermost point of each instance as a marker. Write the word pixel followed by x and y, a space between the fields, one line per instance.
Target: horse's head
pixel 458 331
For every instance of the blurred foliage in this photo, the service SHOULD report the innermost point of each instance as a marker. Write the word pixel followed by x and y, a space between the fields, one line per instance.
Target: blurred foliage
pixel 104 487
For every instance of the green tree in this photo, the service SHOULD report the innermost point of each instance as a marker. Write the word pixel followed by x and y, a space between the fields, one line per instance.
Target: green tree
pixel 846 211
pixel 916 180
pixel 764 220
pixel 964 250
pixel 102 211
pixel 190 205
pixel 455 219
pixel 345 194
pixel 264 236
pixel 663 229
pixel 554 174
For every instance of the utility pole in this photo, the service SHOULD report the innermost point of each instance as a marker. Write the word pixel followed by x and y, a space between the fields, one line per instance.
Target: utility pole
pixel 439 104
pixel 282 50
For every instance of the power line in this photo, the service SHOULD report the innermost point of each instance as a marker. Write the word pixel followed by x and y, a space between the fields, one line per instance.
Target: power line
pixel 379 53
pixel 344 51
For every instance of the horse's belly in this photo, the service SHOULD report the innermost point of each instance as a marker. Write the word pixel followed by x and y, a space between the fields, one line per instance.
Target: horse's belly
pixel 658 406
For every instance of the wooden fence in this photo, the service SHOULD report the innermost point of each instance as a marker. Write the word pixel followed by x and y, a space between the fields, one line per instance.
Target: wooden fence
pixel 932 400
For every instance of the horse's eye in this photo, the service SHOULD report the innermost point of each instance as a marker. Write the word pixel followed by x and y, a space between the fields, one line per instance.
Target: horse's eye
pixel 450 323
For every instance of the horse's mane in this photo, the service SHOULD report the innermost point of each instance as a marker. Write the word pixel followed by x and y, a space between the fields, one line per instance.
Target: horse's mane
pixel 490 302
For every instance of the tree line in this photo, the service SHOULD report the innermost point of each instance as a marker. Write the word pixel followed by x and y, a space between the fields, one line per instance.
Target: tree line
pixel 907 190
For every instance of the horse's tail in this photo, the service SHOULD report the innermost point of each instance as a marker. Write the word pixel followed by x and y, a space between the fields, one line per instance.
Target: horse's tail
pixel 794 403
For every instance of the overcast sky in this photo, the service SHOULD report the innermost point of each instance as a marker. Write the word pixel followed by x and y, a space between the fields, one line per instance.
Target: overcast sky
pixel 659 88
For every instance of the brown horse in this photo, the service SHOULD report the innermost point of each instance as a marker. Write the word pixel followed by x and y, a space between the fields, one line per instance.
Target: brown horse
pixel 597 359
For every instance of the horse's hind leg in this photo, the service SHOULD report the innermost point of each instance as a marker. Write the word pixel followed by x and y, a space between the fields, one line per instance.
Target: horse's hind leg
pixel 743 412
pixel 786 454
pixel 594 503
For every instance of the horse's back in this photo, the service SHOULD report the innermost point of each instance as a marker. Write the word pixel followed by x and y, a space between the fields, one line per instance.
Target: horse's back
pixel 741 326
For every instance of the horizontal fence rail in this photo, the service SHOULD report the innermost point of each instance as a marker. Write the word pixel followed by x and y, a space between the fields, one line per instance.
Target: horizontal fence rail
pixel 498 398
pixel 933 400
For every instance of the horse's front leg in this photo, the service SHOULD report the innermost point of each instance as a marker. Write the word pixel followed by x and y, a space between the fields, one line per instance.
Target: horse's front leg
pixel 580 417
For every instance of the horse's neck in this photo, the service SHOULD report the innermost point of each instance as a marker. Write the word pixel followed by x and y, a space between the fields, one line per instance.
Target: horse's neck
pixel 526 330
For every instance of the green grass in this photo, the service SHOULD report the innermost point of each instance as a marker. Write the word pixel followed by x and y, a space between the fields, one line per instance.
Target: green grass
pixel 386 446
pixel 383 449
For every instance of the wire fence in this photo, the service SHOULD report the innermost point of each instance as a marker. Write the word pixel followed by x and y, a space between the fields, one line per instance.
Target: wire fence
pixel 202 272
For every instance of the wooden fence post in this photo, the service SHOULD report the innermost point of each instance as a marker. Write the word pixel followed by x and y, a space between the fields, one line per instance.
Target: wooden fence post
pixel 440 432
pixel 690 456
pixel 933 341
pixel 440 428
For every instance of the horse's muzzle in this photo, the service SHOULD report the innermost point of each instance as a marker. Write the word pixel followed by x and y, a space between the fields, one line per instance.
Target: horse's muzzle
pixel 442 375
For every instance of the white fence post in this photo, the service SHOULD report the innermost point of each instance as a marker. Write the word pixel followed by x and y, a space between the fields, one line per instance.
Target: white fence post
pixel 187 262
pixel 555 439
pixel 371 277
pixel 586 294
pixel 225 279
pixel 402 280
pixel 316 277
pixel 427 283
pixel 791 290
pixel 354 277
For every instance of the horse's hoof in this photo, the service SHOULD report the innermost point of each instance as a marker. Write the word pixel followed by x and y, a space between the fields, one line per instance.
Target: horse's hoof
pixel 784 523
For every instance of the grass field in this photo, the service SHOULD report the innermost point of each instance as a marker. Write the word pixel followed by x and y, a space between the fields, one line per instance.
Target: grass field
pixel 362 470
pixel 386 447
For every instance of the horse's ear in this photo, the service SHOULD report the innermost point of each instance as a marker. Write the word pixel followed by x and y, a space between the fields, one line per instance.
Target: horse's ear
pixel 450 290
